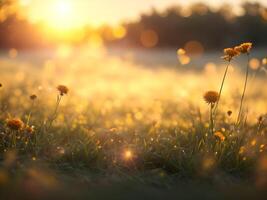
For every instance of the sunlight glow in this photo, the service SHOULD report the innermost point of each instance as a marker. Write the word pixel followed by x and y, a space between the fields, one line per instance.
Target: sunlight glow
pixel 61 16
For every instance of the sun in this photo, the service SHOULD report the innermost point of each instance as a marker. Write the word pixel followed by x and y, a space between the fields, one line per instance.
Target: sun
pixel 62 15
pixel 63 8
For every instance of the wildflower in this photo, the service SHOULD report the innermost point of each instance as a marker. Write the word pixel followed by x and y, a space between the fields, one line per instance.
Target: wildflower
pixel 15 124
pixel 33 97
pixel 244 48
pixel 230 53
pixel 211 97
pixel 229 113
pixel 219 135
pixel 29 129
pixel 62 89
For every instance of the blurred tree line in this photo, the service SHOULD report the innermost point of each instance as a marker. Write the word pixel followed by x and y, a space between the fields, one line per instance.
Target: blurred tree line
pixel 15 30
pixel 172 28
pixel 214 30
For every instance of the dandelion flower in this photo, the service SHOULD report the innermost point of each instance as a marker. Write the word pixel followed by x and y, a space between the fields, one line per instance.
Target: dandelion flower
pixel 62 89
pixel 33 97
pixel 211 97
pixel 219 135
pixel 244 48
pixel 15 124
pixel 230 53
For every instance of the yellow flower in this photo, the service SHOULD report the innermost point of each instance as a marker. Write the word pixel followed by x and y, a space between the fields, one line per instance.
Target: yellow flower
pixel 62 89
pixel 29 129
pixel 230 53
pixel 33 97
pixel 219 135
pixel 15 124
pixel 244 48
pixel 211 97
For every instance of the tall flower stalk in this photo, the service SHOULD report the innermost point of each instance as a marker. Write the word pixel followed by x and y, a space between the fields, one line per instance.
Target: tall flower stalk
pixel 229 54
pixel 63 90
pixel 32 98
pixel 211 98
pixel 244 49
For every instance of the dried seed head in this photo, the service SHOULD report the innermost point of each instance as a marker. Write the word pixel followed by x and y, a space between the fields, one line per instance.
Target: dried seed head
pixel 33 97
pixel 211 97
pixel 229 113
pixel 62 89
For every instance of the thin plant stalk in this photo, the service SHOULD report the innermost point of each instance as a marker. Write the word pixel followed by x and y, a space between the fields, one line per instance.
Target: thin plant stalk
pixel 29 115
pixel 244 92
pixel 221 88
pixel 211 118
pixel 54 116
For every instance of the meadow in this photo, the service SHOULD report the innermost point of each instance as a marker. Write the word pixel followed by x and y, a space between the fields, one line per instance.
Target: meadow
pixel 94 120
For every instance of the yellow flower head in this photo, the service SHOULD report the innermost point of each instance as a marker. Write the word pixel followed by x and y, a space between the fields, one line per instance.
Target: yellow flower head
pixel 15 124
pixel 211 97
pixel 33 97
pixel 219 135
pixel 230 53
pixel 62 89
pixel 244 48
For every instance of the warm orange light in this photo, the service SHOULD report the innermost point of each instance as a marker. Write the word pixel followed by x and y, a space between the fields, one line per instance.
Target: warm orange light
pixel 119 32
pixel 254 63
pixel 194 48
pixel 149 38
pixel 128 154
pixel 60 15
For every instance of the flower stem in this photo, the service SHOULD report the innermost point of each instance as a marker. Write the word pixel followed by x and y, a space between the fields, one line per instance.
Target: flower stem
pixel 221 87
pixel 54 116
pixel 244 92
pixel 211 119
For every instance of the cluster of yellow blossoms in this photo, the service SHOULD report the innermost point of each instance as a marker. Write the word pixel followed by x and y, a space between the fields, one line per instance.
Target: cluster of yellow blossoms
pixel 230 53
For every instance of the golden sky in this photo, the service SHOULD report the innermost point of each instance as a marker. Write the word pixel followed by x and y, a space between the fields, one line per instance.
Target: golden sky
pixel 72 13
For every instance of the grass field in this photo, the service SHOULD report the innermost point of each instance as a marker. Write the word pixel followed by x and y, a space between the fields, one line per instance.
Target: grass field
pixel 127 129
